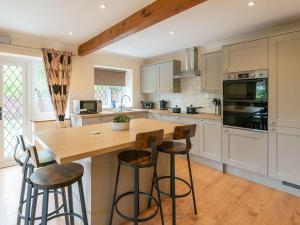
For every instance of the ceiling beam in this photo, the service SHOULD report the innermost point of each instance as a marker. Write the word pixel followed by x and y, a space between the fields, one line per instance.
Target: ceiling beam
pixel 146 17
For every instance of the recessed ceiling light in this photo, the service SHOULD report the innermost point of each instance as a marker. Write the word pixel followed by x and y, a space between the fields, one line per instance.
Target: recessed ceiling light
pixel 171 32
pixel 251 3
pixel 103 6
pixel 130 47
pixel 70 33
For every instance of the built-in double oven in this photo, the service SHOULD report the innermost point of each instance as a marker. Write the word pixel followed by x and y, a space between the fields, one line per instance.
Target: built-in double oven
pixel 245 100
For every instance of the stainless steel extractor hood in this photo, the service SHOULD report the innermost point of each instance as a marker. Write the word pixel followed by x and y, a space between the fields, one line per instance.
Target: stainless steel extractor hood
pixel 191 64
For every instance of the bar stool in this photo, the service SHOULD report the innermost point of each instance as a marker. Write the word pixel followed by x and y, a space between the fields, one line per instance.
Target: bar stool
pixel 177 148
pixel 51 178
pixel 138 159
pixel 45 158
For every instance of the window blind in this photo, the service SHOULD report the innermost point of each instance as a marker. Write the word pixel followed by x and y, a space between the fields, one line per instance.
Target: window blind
pixel 109 77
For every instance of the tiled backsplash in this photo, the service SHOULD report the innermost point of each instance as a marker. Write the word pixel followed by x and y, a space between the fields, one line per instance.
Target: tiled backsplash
pixel 190 95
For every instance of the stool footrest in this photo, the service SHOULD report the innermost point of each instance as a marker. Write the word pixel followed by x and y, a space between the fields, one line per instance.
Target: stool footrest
pixel 176 178
pixel 132 218
pixel 39 218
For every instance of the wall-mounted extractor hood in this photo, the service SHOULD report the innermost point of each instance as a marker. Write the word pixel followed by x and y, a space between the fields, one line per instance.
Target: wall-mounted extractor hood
pixel 191 64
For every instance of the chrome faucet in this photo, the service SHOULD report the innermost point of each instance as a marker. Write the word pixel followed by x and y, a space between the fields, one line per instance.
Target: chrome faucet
pixel 121 106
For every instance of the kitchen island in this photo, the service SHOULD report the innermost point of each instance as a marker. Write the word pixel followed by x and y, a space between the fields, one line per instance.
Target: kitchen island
pixel 96 148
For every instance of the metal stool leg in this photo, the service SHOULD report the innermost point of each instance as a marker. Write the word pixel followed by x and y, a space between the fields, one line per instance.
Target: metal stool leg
pixel 22 194
pixel 33 207
pixel 151 191
pixel 115 195
pixel 136 195
pixel 63 193
pixel 172 188
pixel 71 208
pixel 28 198
pixel 158 195
pixel 83 209
pixel 45 206
pixel 192 185
pixel 56 201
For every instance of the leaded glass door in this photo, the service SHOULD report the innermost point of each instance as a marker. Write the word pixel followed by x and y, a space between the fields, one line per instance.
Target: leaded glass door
pixel 12 102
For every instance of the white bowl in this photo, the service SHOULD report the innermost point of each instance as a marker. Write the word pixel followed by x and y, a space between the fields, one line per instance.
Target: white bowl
pixel 120 126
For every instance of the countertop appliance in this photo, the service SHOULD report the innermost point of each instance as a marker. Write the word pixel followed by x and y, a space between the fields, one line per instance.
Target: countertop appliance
pixel 87 106
pixel 147 105
pixel 175 109
pixel 163 105
pixel 192 109
pixel 245 100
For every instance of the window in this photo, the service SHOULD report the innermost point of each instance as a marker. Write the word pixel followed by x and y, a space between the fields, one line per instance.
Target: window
pixel 109 95
pixel 42 105
pixel 110 85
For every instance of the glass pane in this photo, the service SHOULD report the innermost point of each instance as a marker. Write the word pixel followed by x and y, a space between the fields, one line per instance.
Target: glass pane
pixel 42 92
pixel 109 95
pixel 12 106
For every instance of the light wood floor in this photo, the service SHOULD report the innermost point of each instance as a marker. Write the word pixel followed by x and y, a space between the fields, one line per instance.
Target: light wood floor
pixel 222 199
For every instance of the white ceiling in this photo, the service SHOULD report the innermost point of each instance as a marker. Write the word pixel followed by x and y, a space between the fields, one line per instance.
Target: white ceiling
pixel 212 21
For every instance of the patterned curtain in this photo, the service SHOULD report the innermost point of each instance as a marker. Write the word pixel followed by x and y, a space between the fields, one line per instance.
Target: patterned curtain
pixel 58 65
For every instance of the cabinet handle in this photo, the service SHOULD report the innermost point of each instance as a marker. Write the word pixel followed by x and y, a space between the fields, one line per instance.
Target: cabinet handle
pixel 272 122
pixel 226 131
pixel 273 128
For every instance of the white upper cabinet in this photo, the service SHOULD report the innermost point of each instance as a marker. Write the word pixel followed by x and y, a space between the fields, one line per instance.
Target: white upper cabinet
pixel 245 149
pixel 158 78
pixel 210 139
pixel 284 80
pixel 252 55
pixel 149 79
pixel 284 107
pixel 211 72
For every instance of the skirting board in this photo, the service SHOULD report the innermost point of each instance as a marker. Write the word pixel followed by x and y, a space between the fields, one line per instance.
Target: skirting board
pixel 254 177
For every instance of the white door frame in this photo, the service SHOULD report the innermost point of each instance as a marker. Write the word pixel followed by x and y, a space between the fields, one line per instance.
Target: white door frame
pixel 26 64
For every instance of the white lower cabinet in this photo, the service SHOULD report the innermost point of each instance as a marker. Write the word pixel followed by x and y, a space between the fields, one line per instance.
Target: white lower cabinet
pixel 284 154
pixel 245 149
pixel 210 139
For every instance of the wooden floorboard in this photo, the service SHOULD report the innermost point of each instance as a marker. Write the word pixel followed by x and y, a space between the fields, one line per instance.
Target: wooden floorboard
pixel 222 199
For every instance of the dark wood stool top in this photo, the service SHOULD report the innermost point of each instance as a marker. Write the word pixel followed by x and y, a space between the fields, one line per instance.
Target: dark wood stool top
pixel 142 158
pixel 180 133
pixel 56 176
pixel 172 147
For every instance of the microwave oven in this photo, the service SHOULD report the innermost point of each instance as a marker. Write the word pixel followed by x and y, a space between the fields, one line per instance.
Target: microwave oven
pixel 87 106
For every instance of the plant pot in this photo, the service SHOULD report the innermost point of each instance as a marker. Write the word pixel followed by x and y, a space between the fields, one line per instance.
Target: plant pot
pixel 120 126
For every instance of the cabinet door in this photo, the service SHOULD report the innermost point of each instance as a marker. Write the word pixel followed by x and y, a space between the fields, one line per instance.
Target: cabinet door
pixel 149 76
pixel 211 68
pixel 195 139
pixel 245 149
pixel 166 77
pixel 210 140
pixel 284 80
pixel 246 56
pixel 284 154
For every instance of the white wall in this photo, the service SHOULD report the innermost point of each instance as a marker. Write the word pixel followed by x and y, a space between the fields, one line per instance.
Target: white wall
pixel 82 81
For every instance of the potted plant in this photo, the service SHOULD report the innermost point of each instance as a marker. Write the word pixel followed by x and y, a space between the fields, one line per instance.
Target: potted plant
pixel 121 123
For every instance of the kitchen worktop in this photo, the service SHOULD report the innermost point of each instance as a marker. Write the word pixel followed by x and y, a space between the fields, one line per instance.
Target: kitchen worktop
pixel 209 116
pixel 110 113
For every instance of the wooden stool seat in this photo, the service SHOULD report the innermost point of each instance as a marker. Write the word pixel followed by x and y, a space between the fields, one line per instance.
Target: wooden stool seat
pixel 45 158
pixel 135 158
pixel 172 147
pixel 56 176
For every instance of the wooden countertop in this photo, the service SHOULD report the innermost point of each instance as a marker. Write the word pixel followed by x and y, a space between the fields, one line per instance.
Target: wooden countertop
pixel 70 144
pixel 109 113
pixel 208 116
